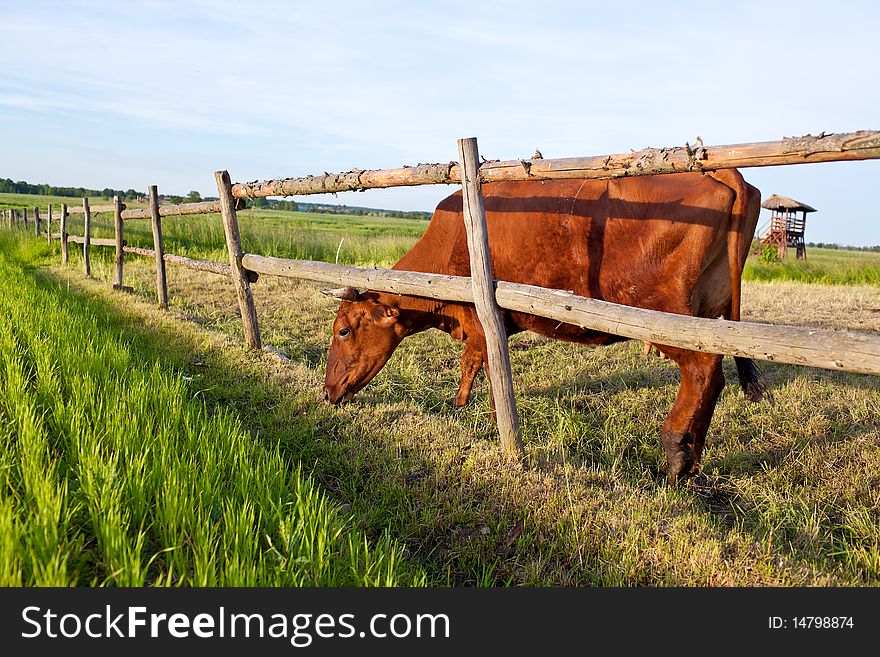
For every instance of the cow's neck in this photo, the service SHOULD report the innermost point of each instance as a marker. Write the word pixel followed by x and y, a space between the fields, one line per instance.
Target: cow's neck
pixel 418 314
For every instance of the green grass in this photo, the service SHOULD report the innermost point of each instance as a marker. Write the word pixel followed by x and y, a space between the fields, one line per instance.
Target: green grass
pixel 827 266
pixel 375 241
pixel 114 472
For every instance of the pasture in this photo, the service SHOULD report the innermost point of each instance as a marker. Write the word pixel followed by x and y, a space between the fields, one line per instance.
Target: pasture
pixel 788 493
pixel 114 472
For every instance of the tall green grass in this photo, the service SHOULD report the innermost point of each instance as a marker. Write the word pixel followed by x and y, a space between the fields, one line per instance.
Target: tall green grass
pixel 112 473
pixel 370 241
pixel 829 266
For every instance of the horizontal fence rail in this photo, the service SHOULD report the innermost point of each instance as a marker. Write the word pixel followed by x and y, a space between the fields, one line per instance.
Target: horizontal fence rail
pixel 93 209
pixel 208 207
pixel 94 241
pixel 182 261
pixel 835 350
pixel 861 145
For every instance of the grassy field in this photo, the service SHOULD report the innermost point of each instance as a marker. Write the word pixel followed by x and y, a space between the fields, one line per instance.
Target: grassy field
pixel 113 471
pixel 789 495
pixel 828 266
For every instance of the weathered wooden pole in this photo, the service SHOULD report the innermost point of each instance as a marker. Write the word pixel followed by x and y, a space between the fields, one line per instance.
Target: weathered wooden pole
pixel 24 215
pixel 37 220
pixel 87 236
pixel 239 273
pixel 49 224
pixel 483 285
pixel 117 226
pixel 159 248
pixel 64 217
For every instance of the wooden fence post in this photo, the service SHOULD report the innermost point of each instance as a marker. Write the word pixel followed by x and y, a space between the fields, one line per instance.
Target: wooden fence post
pixel 87 236
pixel 117 225
pixel 37 220
pixel 64 217
pixel 159 248
pixel 24 215
pixel 483 285
pixel 239 273
pixel 49 224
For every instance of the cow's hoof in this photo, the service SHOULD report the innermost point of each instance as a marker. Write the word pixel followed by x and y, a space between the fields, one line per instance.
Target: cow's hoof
pixel 681 461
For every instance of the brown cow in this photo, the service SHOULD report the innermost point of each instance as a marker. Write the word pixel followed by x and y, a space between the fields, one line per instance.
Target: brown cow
pixel 675 243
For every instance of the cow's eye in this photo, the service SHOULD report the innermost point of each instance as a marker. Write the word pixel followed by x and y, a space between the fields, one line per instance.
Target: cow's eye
pixel 344 332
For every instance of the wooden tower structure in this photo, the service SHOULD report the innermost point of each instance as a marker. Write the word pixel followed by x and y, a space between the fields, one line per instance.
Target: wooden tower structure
pixel 785 228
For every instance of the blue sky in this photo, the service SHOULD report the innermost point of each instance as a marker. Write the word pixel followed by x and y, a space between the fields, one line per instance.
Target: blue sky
pixel 124 94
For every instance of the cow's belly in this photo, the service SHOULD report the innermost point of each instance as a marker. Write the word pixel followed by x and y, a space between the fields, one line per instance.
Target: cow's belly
pixel 551 328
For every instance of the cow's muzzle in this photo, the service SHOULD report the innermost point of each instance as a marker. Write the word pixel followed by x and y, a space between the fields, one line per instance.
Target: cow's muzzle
pixel 337 395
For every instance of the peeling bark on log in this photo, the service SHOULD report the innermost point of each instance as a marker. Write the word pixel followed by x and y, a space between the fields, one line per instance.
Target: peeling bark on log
pixel 137 250
pixel 220 268
pixel 208 207
pixel 835 350
pixel 93 241
pixel 861 145
pixel 97 209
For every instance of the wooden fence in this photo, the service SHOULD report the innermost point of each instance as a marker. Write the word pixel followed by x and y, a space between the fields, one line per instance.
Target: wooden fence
pixel 837 350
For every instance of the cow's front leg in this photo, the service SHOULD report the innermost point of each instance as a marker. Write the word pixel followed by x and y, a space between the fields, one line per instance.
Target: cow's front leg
pixel 684 431
pixel 471 362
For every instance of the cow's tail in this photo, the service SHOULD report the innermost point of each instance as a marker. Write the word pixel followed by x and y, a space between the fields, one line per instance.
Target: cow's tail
pixel 743 221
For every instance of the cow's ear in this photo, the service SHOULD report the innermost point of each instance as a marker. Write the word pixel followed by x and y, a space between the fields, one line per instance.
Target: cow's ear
pixel 385 315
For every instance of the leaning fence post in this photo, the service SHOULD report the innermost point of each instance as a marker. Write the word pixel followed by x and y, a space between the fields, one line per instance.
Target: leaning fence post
pixel 117 225
pixel 64 217
pixel 37 220
pixel 239 273
pixel 483 286
pixel 49 224
pixel 87 236
pixel 159 248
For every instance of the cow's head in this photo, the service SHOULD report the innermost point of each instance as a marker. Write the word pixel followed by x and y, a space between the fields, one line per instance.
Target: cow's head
pixel 365 334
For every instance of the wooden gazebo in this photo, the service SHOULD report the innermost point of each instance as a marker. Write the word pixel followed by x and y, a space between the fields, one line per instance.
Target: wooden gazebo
pixel 785 229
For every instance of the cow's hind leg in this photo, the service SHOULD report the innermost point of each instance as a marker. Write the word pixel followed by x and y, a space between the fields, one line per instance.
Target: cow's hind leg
pixel 471 362
pixel 684 431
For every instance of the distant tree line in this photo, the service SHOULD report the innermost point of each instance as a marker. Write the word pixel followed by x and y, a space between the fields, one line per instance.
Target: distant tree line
pixel 323 208
pixel 21 187
pixel 9 186
pixel 823 245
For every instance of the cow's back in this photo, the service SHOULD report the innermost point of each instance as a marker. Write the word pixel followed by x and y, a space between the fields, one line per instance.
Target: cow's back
pixel 653 242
